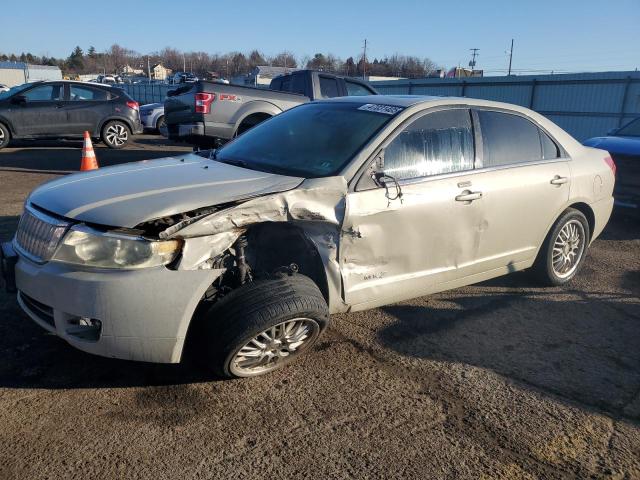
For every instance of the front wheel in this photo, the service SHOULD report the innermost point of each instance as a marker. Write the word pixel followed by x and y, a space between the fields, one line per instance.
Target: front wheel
pixel 115 134
pixel 5 136
pixel 263 326
pixel 564 249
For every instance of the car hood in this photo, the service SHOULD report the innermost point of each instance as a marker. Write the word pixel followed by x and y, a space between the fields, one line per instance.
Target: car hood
pixel 616 145
pixel 127 195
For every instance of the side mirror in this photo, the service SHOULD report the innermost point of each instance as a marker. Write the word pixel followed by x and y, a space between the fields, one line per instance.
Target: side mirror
pixel 19 99
pixel 613 131
pixel 377 169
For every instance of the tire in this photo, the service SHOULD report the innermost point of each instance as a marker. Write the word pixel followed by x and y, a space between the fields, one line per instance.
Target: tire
pixel 5 136
pixel 563 252
pixel 160 123
pixel 116 134
pixel 290 310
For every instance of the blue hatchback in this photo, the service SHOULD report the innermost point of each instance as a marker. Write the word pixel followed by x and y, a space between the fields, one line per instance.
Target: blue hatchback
pixel 624 146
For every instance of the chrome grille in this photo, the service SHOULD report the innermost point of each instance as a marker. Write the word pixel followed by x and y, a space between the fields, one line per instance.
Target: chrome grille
pixel 39 234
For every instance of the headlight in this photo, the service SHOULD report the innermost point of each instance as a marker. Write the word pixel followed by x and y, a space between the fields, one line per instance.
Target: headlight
pixel 87 247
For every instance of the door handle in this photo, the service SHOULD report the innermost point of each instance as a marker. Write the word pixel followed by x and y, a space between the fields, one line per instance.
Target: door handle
pixel 558 180
pixel 468 196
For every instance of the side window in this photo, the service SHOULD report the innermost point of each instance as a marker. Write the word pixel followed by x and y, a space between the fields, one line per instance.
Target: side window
pixel 508 139
pixel 286 83
pixel 328 87
pixel 298 84
pixel 45 93
pixel 355 89
pixel 439 142
pixel 549 148
pixel 78 93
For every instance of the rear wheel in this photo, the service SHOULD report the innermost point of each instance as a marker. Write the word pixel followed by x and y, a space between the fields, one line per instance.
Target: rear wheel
pixel 5 136
pixel 564 249
pixel 115 134
pixel 263 326
pixel 160 124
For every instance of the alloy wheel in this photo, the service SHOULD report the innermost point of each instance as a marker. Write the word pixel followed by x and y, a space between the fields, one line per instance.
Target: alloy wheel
pixel 116 134
pixel 568 248
pixel 274 346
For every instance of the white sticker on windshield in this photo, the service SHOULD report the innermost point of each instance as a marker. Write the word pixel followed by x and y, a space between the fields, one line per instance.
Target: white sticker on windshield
pixel 388 109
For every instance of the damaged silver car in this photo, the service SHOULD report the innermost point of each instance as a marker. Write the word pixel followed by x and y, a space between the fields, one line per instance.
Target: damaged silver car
pixel 333 206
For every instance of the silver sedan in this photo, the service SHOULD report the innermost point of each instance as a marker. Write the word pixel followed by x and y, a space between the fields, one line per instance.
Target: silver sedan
pixel 330 207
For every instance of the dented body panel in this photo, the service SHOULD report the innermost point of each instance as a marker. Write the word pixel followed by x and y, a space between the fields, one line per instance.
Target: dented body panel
pixel 376 244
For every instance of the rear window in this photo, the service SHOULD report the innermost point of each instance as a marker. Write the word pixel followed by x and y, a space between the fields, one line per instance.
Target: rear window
pixel 508 139
pixel 329 87
pixel 355 89
pixel 549 148
pixel 79 93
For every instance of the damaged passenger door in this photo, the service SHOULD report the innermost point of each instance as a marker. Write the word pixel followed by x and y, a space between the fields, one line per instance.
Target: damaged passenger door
pixel 412 219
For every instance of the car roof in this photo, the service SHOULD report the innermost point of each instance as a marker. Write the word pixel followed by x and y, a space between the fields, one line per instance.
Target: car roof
pixel 394 100
pixel 406 101
pixel 75 82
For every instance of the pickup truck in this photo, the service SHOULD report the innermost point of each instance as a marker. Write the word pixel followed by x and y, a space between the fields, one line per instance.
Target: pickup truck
pixel 209 113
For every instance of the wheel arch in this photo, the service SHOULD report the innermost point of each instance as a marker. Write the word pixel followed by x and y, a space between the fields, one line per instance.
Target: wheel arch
pixel 259 108
pixel 588 212
pixel 5 121
pixel 279 244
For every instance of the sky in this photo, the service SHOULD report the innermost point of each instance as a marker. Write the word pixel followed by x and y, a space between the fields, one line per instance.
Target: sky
pixel 560 35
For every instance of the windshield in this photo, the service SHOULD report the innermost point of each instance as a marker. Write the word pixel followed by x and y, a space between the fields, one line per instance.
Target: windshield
pixel 630 129
pixel 312 140
pixel 14 90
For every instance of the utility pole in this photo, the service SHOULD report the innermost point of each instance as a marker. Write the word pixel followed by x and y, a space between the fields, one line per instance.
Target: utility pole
pixel 148 68
pixel 184 63
pixel 510 57
pixel 364 61
pixel 474 54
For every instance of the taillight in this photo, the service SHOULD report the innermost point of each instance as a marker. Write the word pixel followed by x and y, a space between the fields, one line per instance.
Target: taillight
pixel 203 102
pixel 133 105
pixel 612 165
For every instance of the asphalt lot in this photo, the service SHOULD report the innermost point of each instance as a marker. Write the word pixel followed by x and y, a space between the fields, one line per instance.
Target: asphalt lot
pixel 498 380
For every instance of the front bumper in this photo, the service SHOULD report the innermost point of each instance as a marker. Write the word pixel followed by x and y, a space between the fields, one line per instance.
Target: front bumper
pixel 134 315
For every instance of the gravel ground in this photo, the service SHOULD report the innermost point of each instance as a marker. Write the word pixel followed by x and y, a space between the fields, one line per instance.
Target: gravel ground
pixel 498 380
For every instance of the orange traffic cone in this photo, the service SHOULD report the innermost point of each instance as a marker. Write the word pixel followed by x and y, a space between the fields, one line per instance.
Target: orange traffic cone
pixel 89 161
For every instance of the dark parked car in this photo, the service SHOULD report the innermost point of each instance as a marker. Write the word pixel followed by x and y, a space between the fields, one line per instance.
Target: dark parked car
pixel 66 110
pixel 624 146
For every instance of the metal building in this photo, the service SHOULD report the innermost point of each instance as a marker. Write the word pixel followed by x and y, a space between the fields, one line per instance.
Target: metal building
pixel 35 73
pixel 584 104
pixel 17 73
pixel 12 73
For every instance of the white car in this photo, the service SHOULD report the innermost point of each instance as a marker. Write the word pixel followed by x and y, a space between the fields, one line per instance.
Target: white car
pixel 152 117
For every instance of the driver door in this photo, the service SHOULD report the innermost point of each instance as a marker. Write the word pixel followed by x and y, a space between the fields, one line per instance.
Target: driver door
pixel 43 113
pixel 414 234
